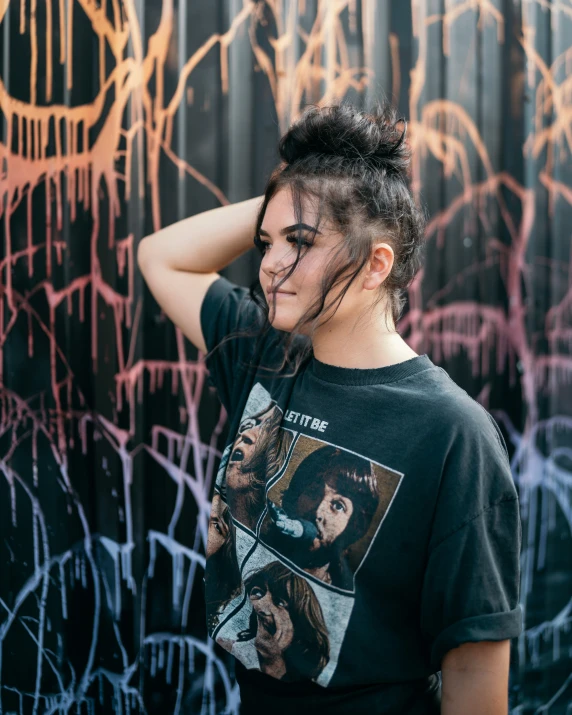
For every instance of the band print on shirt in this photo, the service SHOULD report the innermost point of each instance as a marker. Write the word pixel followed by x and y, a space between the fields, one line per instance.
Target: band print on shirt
pixel 292 520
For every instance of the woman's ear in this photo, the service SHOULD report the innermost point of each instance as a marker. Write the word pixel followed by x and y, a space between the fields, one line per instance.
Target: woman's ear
pixel 380 265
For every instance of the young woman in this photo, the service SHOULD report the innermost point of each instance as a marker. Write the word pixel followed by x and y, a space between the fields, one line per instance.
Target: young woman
pixel 378 558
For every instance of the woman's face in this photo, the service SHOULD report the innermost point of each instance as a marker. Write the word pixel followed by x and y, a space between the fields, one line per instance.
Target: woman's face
pixel 303 287
pixel 280 251
pixel 275 629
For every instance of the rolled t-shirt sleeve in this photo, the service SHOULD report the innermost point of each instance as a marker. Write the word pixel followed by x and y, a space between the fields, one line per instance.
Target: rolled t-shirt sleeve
pixel 471 584
pixel 227 308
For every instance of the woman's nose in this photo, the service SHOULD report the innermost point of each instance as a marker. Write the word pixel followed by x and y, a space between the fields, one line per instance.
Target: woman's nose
pixel 276 260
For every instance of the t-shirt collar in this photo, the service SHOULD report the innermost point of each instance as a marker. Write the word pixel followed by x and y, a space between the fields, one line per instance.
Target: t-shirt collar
pixel 369 376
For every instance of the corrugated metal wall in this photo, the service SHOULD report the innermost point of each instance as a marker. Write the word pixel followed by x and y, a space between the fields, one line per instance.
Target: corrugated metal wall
pixel 122 116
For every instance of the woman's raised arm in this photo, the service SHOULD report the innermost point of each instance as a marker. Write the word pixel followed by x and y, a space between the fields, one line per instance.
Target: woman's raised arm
pixel 179 262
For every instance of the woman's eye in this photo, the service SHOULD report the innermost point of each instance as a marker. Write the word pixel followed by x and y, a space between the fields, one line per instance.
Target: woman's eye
pixel 260 244
pixel 298 239
pixel 263 246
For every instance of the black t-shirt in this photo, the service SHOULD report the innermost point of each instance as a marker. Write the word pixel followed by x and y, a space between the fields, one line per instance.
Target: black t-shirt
pixel 363 523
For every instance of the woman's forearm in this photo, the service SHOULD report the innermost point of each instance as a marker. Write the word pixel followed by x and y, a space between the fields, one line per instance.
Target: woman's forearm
pixel 206 242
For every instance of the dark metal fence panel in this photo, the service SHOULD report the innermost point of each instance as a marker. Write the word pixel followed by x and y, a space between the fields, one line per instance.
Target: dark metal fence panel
pixel 122 116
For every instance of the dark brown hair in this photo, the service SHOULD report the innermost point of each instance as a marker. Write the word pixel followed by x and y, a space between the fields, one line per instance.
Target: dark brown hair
pixel 354 165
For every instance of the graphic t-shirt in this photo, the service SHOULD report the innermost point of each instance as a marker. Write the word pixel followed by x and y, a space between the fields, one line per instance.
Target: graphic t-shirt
pixel 363 523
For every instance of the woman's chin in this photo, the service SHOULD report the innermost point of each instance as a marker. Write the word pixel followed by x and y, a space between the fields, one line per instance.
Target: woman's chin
pixel 282 322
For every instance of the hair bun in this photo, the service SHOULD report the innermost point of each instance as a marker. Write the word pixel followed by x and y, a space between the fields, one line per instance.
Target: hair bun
pixel 344 131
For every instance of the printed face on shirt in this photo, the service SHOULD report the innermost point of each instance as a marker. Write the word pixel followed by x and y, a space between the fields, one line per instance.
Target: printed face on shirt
pixel 247 446
pixel 331 516
pixel 222 571
pixel 323 508
pixel 275 630
pixel 286 624
pixel 218 529
pixel 335 491
pixel 257 453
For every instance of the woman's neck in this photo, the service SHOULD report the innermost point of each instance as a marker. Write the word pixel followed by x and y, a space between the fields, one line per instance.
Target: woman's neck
pixel 360 348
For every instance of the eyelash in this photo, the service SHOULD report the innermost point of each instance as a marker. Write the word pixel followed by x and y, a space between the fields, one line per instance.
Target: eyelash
pixel 262 245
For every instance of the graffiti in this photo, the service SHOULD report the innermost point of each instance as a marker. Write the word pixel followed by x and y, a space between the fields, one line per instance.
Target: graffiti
pixel 106 465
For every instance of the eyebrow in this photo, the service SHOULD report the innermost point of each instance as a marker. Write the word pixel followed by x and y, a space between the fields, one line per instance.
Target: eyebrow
pixel 287 229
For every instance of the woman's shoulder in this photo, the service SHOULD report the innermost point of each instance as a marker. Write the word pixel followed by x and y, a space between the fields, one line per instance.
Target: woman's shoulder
pixel 476 472
pixel 450 406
